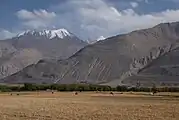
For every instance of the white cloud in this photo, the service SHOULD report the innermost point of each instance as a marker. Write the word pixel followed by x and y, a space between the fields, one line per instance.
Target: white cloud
pixel 96 18
pixel 90 19
pixel 4 34
pixel 134 4
pixel 36 19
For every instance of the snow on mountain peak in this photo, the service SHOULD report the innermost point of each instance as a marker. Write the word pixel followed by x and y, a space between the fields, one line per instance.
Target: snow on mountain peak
pixel 94 41
pixel 101 38
pixel 60 33
pixel 23 33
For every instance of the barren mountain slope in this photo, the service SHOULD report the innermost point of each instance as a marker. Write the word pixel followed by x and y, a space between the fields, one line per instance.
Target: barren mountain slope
pixel 108 61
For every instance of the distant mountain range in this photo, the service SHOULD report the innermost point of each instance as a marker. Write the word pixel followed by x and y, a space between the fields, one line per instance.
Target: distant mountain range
pixel 31 46
pixel 148 56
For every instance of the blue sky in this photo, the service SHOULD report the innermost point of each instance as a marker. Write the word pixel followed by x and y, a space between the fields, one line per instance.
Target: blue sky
pixel 88 19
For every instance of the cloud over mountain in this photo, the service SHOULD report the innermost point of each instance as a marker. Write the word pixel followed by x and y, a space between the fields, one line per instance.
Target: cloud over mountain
pixel 90 19
pixel 36 19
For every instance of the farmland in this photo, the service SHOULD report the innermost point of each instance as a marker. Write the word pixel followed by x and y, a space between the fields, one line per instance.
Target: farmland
pixel 88 106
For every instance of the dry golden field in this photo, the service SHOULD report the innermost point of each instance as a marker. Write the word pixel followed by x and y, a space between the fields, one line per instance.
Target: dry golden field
pixel 87 106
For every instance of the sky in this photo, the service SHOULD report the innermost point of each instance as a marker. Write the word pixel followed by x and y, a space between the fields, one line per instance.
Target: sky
pixel 87 19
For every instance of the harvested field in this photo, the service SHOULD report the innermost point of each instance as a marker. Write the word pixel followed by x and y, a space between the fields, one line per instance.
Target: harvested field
pixel 88 106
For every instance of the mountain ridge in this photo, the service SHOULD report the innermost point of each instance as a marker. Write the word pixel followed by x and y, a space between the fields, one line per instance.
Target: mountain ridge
pixel 60 33
pixel 111 61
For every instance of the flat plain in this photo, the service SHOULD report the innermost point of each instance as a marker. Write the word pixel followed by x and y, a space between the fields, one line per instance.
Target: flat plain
pixel 88 106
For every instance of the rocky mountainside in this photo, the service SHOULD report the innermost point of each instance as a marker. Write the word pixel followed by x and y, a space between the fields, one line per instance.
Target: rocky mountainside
pixel 163 71
pixel 29 47
pixel 122 59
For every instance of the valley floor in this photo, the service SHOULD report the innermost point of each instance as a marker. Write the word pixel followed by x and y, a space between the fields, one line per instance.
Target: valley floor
pixel 88 106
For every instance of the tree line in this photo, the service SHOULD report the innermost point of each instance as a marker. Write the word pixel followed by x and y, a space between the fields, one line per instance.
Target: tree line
pixel 81 87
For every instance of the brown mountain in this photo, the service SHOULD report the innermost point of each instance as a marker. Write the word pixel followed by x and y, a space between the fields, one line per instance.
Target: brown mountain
pixel 122 59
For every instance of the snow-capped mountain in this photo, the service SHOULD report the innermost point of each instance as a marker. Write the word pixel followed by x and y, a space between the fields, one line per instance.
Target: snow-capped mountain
pixel 50 34
pixel 56 43
pixel 31 46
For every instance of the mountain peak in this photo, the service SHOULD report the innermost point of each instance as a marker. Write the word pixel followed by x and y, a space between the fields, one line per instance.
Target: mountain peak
pixel 101 38
pixel 94 41
pixel 60 33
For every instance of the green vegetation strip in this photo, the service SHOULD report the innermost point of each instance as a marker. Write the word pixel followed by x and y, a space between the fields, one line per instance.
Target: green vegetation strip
pixel 81 87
